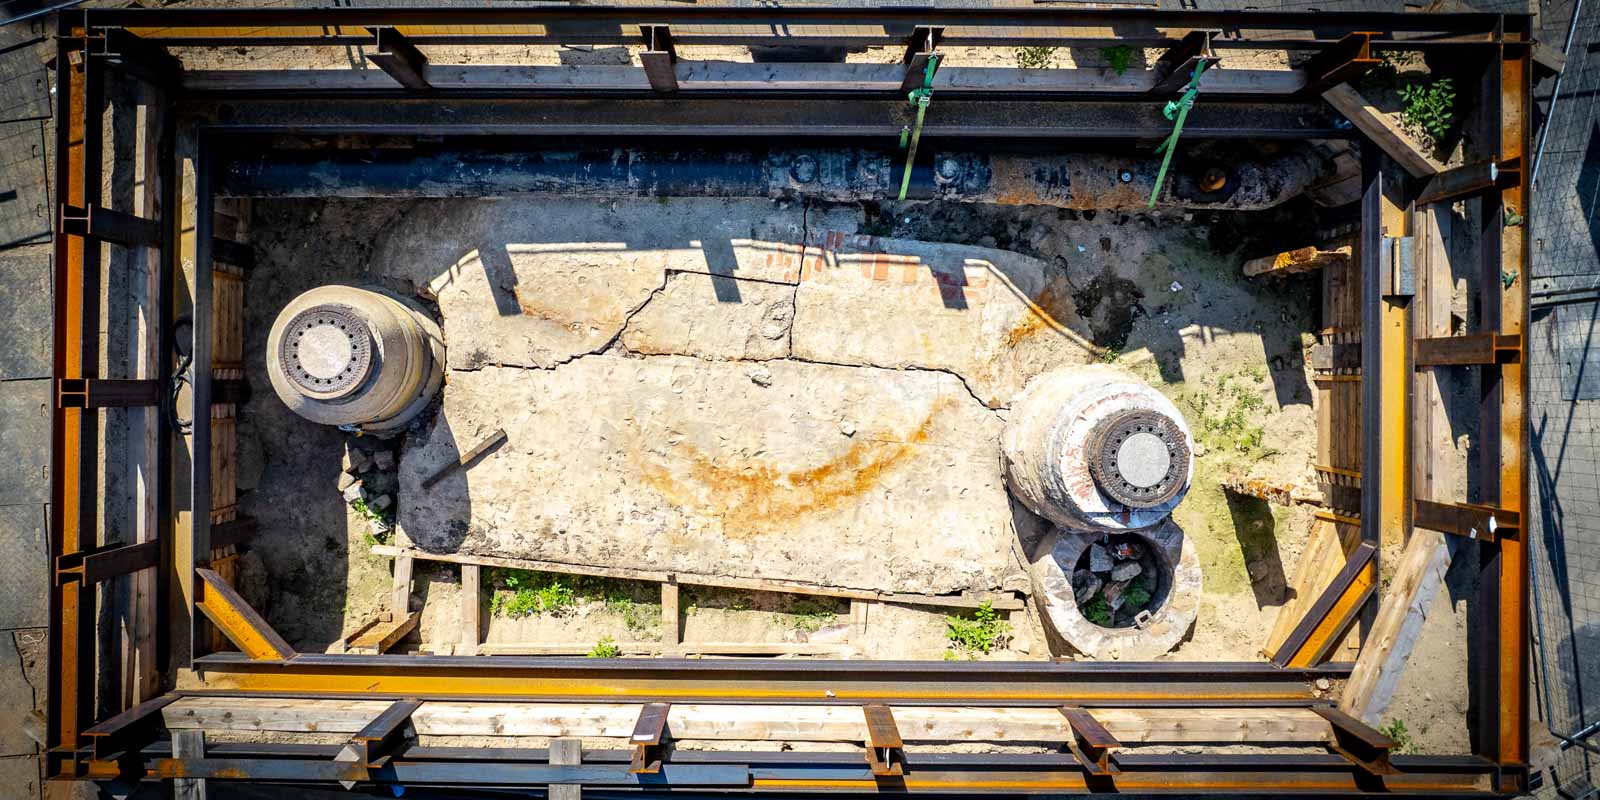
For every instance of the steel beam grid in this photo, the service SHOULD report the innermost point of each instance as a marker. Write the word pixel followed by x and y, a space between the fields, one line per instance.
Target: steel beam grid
pixel 121 746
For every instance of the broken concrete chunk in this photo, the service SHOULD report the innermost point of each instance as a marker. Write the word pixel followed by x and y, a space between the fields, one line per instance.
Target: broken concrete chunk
pixel 383 459
pixel 346 480
pixel 1113 594
pixel 1084 585
pixel 384 501
pixel 1126 571
pixel 354 492
pixel 356 460
pixel 1099 559
pixel 759 375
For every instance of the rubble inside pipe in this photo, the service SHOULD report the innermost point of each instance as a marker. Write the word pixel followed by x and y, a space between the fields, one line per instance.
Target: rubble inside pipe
pixel 1116 582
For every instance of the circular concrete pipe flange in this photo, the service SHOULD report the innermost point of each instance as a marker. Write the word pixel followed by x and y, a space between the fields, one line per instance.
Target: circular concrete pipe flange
pixel 1093 448
pixel 355 357
pixel 1169 621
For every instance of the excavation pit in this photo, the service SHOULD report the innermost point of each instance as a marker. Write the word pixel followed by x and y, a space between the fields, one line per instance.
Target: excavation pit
pixel 1100 607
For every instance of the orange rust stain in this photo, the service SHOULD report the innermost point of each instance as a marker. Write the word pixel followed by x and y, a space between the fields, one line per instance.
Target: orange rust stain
pixel 1046 312
pixel 530 310
pixel 758 498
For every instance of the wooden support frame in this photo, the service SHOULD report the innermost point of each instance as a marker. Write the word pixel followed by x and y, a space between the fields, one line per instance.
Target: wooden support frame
pixel 237 620
pixel 401 59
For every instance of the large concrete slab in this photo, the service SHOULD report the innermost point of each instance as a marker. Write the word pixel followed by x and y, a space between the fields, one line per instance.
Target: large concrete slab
pixel 24 441
pixel 25 305
pixel 843 476
pixel 25 569
pixel 18 699
pixel 994 317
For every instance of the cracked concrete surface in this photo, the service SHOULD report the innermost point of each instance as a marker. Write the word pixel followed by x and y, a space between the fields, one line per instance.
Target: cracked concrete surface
pixel 723 387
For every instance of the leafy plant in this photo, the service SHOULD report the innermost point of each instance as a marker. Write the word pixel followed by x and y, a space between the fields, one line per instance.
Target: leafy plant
pixel 605 648
pixel 1035 57
pixel 530 594
pixel 981 633
pixel 1110 355
pixel 1118 57
pixel 1430 106
pixel 1136 596
pixel 1396 730
pixel 1097 610
pixel 639 617
pixel 367 512
pixel 811 617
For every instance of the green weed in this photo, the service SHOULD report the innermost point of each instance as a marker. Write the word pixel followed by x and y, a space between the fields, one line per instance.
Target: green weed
pixel 981 633
pixel 1430 106
pixel 1097 610
pixel 527 593
pixel 811 617
pixel 1118 57
pixel 1035 57
pixel 605 648
pixel 1110 355
pixel 367 512
pixel 1136 596
pixel 1396 730
pixel 639 617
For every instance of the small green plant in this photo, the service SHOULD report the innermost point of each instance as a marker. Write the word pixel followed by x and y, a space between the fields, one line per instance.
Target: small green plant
pixel 981 633
pixel 639 617
pixel 1097 610
pixel 1110 355
pixel 1136 596
pixel 367 512
pixel 1430 106
pixel 529 593
pixel 811 617
pixel 605 648
pixel 1118 57
pixel 1396 730
pixel 1035 57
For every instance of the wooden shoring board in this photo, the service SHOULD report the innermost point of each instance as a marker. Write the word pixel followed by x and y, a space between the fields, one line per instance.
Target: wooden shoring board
pixel 818 723
pixel 1002 601
pixel 382 633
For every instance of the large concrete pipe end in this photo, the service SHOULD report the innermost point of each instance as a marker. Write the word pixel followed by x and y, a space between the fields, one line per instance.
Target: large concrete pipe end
pixel 361 359
pixel 1094 449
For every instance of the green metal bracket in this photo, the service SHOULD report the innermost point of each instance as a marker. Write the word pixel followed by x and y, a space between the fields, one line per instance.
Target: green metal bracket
pixel 919 98
pixel 1176 110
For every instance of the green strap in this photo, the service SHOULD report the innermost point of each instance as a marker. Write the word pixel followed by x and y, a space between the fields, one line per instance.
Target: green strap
pixel 1177 110
pixel 919 98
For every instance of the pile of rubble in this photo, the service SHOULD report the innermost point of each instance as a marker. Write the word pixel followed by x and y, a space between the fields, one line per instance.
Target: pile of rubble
pixel 368 482
pixel 1116 581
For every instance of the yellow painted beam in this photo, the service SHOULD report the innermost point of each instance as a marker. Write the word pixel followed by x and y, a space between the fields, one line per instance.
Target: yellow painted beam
pixel 237 620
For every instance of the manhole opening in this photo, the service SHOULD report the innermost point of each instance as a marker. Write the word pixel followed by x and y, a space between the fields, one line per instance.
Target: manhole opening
pixel 1118 578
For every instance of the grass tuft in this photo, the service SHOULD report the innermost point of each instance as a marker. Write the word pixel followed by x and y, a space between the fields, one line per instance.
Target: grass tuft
pixel 605 648
pixel 1035 57
pixel 1118 57
pixel 1396 730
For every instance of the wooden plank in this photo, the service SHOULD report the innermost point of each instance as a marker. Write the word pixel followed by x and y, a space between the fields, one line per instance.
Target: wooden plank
pixel 833 723
pixel 670 634
pixel 660 648
pixel 1000 601
pixel 400 595
pixel 471 607
pixel 1404 608
pixel 381 634
pixel 189 744
pixel 1302 259
pixel 566 751
pixel 1383 131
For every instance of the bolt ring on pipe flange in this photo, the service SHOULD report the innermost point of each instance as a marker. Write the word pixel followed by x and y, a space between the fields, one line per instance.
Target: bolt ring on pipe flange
pixel 326 350
pixel 1139 458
